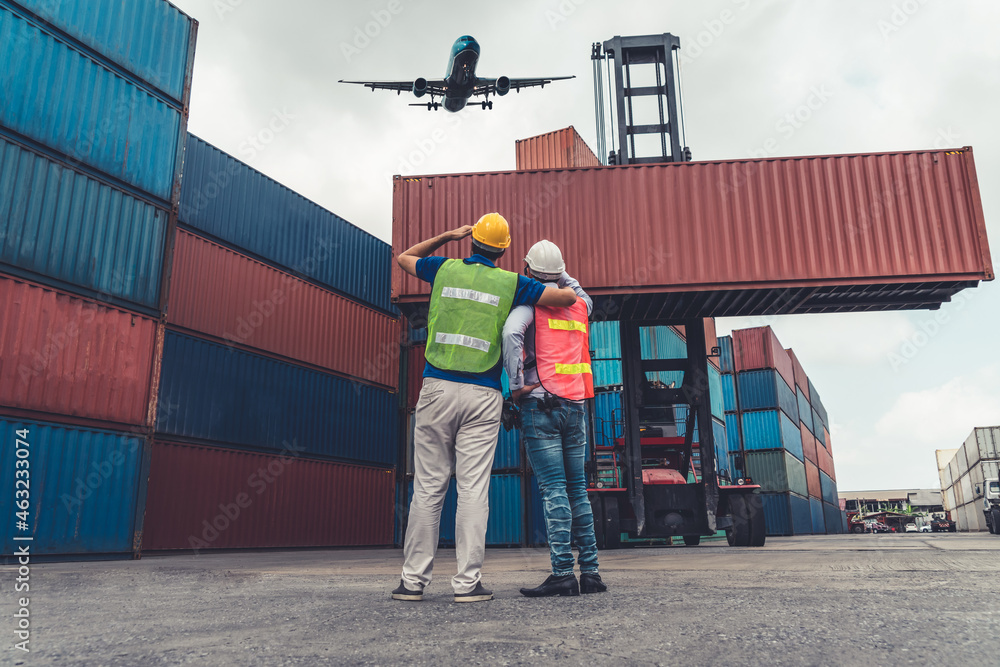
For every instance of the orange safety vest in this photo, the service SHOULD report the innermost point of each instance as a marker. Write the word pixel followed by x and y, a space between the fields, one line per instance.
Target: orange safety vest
pixel 562 351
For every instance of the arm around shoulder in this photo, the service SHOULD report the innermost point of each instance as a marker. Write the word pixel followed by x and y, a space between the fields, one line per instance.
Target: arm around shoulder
pixel 557 297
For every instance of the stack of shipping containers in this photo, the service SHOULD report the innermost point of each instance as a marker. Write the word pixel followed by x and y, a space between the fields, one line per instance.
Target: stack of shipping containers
pixel 277 421
pixel 92 130
pixel 963 477
pixel 772 425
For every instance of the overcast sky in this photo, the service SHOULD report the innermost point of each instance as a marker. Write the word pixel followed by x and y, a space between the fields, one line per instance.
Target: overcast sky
pixel 903 75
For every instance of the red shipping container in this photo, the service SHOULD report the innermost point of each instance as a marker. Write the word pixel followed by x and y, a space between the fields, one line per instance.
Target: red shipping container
pixel 812 480
pixel 241 301
pixel 801 380
pixel 75 357
pixel 808 444
pixel 741 237
pixel 415 363
pixel 208 498
pixel 826 462
pixel 554 150
pixel 758 349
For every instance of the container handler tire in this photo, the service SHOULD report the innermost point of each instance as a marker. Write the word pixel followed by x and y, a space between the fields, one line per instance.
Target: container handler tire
pixel 755 512
pixel 597 507
pixel 739 534
pixel 692 540
pixel 995 515
pixel 612 525
pixel 861 529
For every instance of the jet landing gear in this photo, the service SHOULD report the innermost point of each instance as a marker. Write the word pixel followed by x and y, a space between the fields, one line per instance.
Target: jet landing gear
pixel 487 105
pixel 433 106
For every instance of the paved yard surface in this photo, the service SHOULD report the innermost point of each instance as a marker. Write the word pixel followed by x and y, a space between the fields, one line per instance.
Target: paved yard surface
pixel 832 600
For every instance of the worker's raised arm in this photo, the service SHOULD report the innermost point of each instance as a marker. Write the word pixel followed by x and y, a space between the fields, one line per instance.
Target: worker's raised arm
pixel 557 297
pixel 408 259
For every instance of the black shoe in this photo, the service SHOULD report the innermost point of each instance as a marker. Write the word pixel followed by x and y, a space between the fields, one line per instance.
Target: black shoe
pixel 565 586
pixel 404 593
pixel 590 582
pixel 477 594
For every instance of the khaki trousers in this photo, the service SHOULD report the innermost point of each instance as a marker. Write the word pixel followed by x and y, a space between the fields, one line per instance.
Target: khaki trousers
pixel 456 429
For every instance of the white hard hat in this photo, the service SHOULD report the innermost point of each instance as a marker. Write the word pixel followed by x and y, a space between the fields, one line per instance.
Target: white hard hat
pixel 545 259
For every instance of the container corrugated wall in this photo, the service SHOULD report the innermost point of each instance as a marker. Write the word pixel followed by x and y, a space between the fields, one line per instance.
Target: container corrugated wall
pixel 733 432
pixel 84 489
pixel 805 410
pixel 215 393
pixel 818 517
pixel 786 514
pixel 776 472
pixel 729 392
pixel 726 354
pixel 765 390
pixel 930 241
pixel 230 296
pixel 771 429
pixel 759 349
pixel 508 452
pixel 505 526
pixel 67 356
pixel 834 518
pixel 829 488
pixel 209 498
pixel 554 150
pixel 77 230
pixel 229 200
pixel 148 38
pixel 812 480
pixel 45 79
pixel 415 364
pixel 801 380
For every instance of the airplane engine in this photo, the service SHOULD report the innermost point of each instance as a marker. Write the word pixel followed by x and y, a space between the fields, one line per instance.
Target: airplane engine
pixel 503 85
pixel 420 87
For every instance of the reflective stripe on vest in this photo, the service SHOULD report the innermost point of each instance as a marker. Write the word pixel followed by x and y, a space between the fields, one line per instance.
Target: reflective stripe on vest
pixel 562 351
pixel 469 305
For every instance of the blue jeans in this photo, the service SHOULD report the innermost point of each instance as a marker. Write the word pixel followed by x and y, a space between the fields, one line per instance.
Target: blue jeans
pixel 556 445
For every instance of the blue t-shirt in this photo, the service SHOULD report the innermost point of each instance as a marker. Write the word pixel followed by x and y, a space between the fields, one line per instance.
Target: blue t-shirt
pixel 529 291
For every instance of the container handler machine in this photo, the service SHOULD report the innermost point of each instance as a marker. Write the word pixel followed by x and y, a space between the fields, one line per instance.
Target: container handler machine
pixel 643 485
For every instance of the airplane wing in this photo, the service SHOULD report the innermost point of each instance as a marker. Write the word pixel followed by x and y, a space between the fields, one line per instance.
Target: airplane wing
pixel 486 86
pixel 435 87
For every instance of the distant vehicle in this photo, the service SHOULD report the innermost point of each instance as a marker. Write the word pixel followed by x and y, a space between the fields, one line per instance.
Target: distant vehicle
pixel 991 505
pixel 460 83
pixel 925 528
pixel 911 528
pixel 943 526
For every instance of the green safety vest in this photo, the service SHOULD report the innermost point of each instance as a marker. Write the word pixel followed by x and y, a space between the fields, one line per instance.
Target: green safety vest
pixel 469 305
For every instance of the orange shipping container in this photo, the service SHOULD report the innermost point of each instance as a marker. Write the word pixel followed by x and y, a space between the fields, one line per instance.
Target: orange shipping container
pixel 801 380
pixel 740 237
pixel 808 444
pixel 554 150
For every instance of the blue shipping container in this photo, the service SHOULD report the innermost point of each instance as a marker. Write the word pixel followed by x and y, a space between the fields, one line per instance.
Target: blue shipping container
pixel 818 518
pixel 828 489
pixel 733 432
pixel 726 355
pixel 151 39
pixel 766 390
pixel 84 486
pixel 606 373
pixel 605 340
pixel 64 225
pixel 801 514
pixel 818 428
pixel 836 519
pixel 508 453
pixel 63 99
pixel 537 533
pixel 233 202
pixel 820 409
pixel 220 394
pixel 505 526
pixel 777 513
pixel 805 410
pixel 715 392
pixel 607 415
pixel 721 446
pixel 771 429
pixel 729 392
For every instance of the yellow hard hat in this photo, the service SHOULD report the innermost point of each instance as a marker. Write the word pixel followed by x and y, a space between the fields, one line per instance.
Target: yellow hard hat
pixel 492 230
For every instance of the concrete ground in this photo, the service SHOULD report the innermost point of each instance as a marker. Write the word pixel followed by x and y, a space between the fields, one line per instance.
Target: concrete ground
pixel 831 600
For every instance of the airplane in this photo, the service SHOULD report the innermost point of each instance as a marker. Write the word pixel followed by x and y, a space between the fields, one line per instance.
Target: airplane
pixel 460 82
